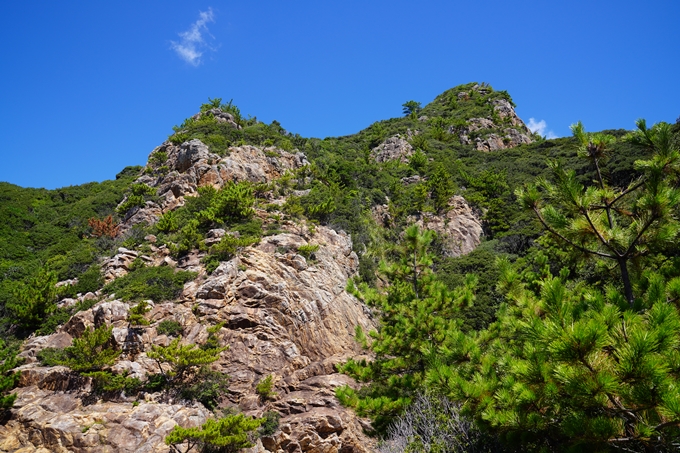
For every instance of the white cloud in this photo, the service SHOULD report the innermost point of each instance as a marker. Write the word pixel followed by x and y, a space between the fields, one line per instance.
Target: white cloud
pixel 192 45
pixel 541 128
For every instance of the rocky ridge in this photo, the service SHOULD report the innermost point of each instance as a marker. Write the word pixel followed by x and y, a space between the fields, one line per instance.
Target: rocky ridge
pixel 284 315
pixel 504 130
pixel 191 165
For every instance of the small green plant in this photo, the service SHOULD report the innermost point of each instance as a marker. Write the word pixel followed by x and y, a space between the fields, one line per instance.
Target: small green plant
pixel 229 434
pixel 183 359
pixel 265 387
pixel 156 283
pixel 168 222
pixel 158 158
pixel 90 352
pixel 51 356
pixel 225 250
pixel 178 138
pixel 34 300
pixel 207 387
pixel 132 201
pixel 270 423
pixel 308 250
pixel 107 382
pixel 170 328
pixel 136 316
pixel 8 381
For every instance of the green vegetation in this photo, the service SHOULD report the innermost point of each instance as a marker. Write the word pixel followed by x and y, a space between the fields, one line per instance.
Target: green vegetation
pixel 558 333
pixel 308 250
pixel 230 434
pixel 90 352
pixel 155 283
pixel 418 317
pixel 48 231
pixel 8 380
pixel 169 328
pixel 34 300
pixel 183 359
pixel 136 316
pixel 265 388
pixel 270 423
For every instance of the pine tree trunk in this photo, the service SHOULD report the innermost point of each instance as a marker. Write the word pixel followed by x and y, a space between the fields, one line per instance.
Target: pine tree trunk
pixel 627 287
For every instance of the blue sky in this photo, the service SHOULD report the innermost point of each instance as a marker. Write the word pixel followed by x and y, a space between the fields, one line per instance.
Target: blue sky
pixel 88 88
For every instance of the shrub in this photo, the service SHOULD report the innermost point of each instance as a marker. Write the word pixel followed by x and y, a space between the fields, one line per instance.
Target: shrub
pixel 51 356
pixel 270 423
pixel 8 380
pixel 434 424
pixel 308 250
pixel 226 434
pixel 132 202
pixel 183 359
pixel 265 388
pixel 168 222
pixel 232 203
pixel 207 387
pixel 35 299
pixel 136 315
pixel 170 328
pixel 104 227
pixel 106 382
pixel 90 352
pixel 155 283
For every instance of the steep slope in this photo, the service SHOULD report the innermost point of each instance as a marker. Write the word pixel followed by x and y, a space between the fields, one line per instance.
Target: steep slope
pixel 273 225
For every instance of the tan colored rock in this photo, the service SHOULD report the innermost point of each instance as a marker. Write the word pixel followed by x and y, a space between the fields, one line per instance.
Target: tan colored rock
pixel 394 148
pixel 56 421
pixel 459 230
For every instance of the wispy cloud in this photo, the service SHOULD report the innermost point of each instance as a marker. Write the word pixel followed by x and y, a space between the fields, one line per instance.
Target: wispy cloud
pixel 192 44
pixel 541 128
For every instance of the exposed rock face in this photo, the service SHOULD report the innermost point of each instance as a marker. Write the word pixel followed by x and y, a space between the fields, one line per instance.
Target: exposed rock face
pixel 192 165
pixel 220 116
pixel 459 230
pixel 392 149
pixel 49 421
pixel 505 110
pixel 119 264
pixel 497 136
pixel 284 316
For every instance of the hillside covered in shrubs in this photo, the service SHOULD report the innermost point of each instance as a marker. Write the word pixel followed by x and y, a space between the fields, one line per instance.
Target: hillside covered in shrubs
pixel 441 281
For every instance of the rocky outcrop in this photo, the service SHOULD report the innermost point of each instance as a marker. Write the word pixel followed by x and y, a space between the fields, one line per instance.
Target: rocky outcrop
pixel 284 315
pixel 506 130
pixel 120 263
pixel 49 421
pixel 220 116
pixel 394 148
pixel 191 165
pixel 459 230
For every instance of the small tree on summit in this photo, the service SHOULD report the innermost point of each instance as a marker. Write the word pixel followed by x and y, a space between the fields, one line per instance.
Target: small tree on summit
pixel 411 108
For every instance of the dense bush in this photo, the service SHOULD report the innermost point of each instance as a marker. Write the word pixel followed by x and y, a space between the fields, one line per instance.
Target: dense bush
pixel 156 283
pixel 169 327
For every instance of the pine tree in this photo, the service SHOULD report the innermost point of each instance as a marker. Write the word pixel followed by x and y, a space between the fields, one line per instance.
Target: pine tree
pixel 572 367
pixel 35 299
pixel 568 367
pixel 418 313
pixel 183 358
pixel 92 351
pixel 228 434
pixel 606 222
pixel 8 380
